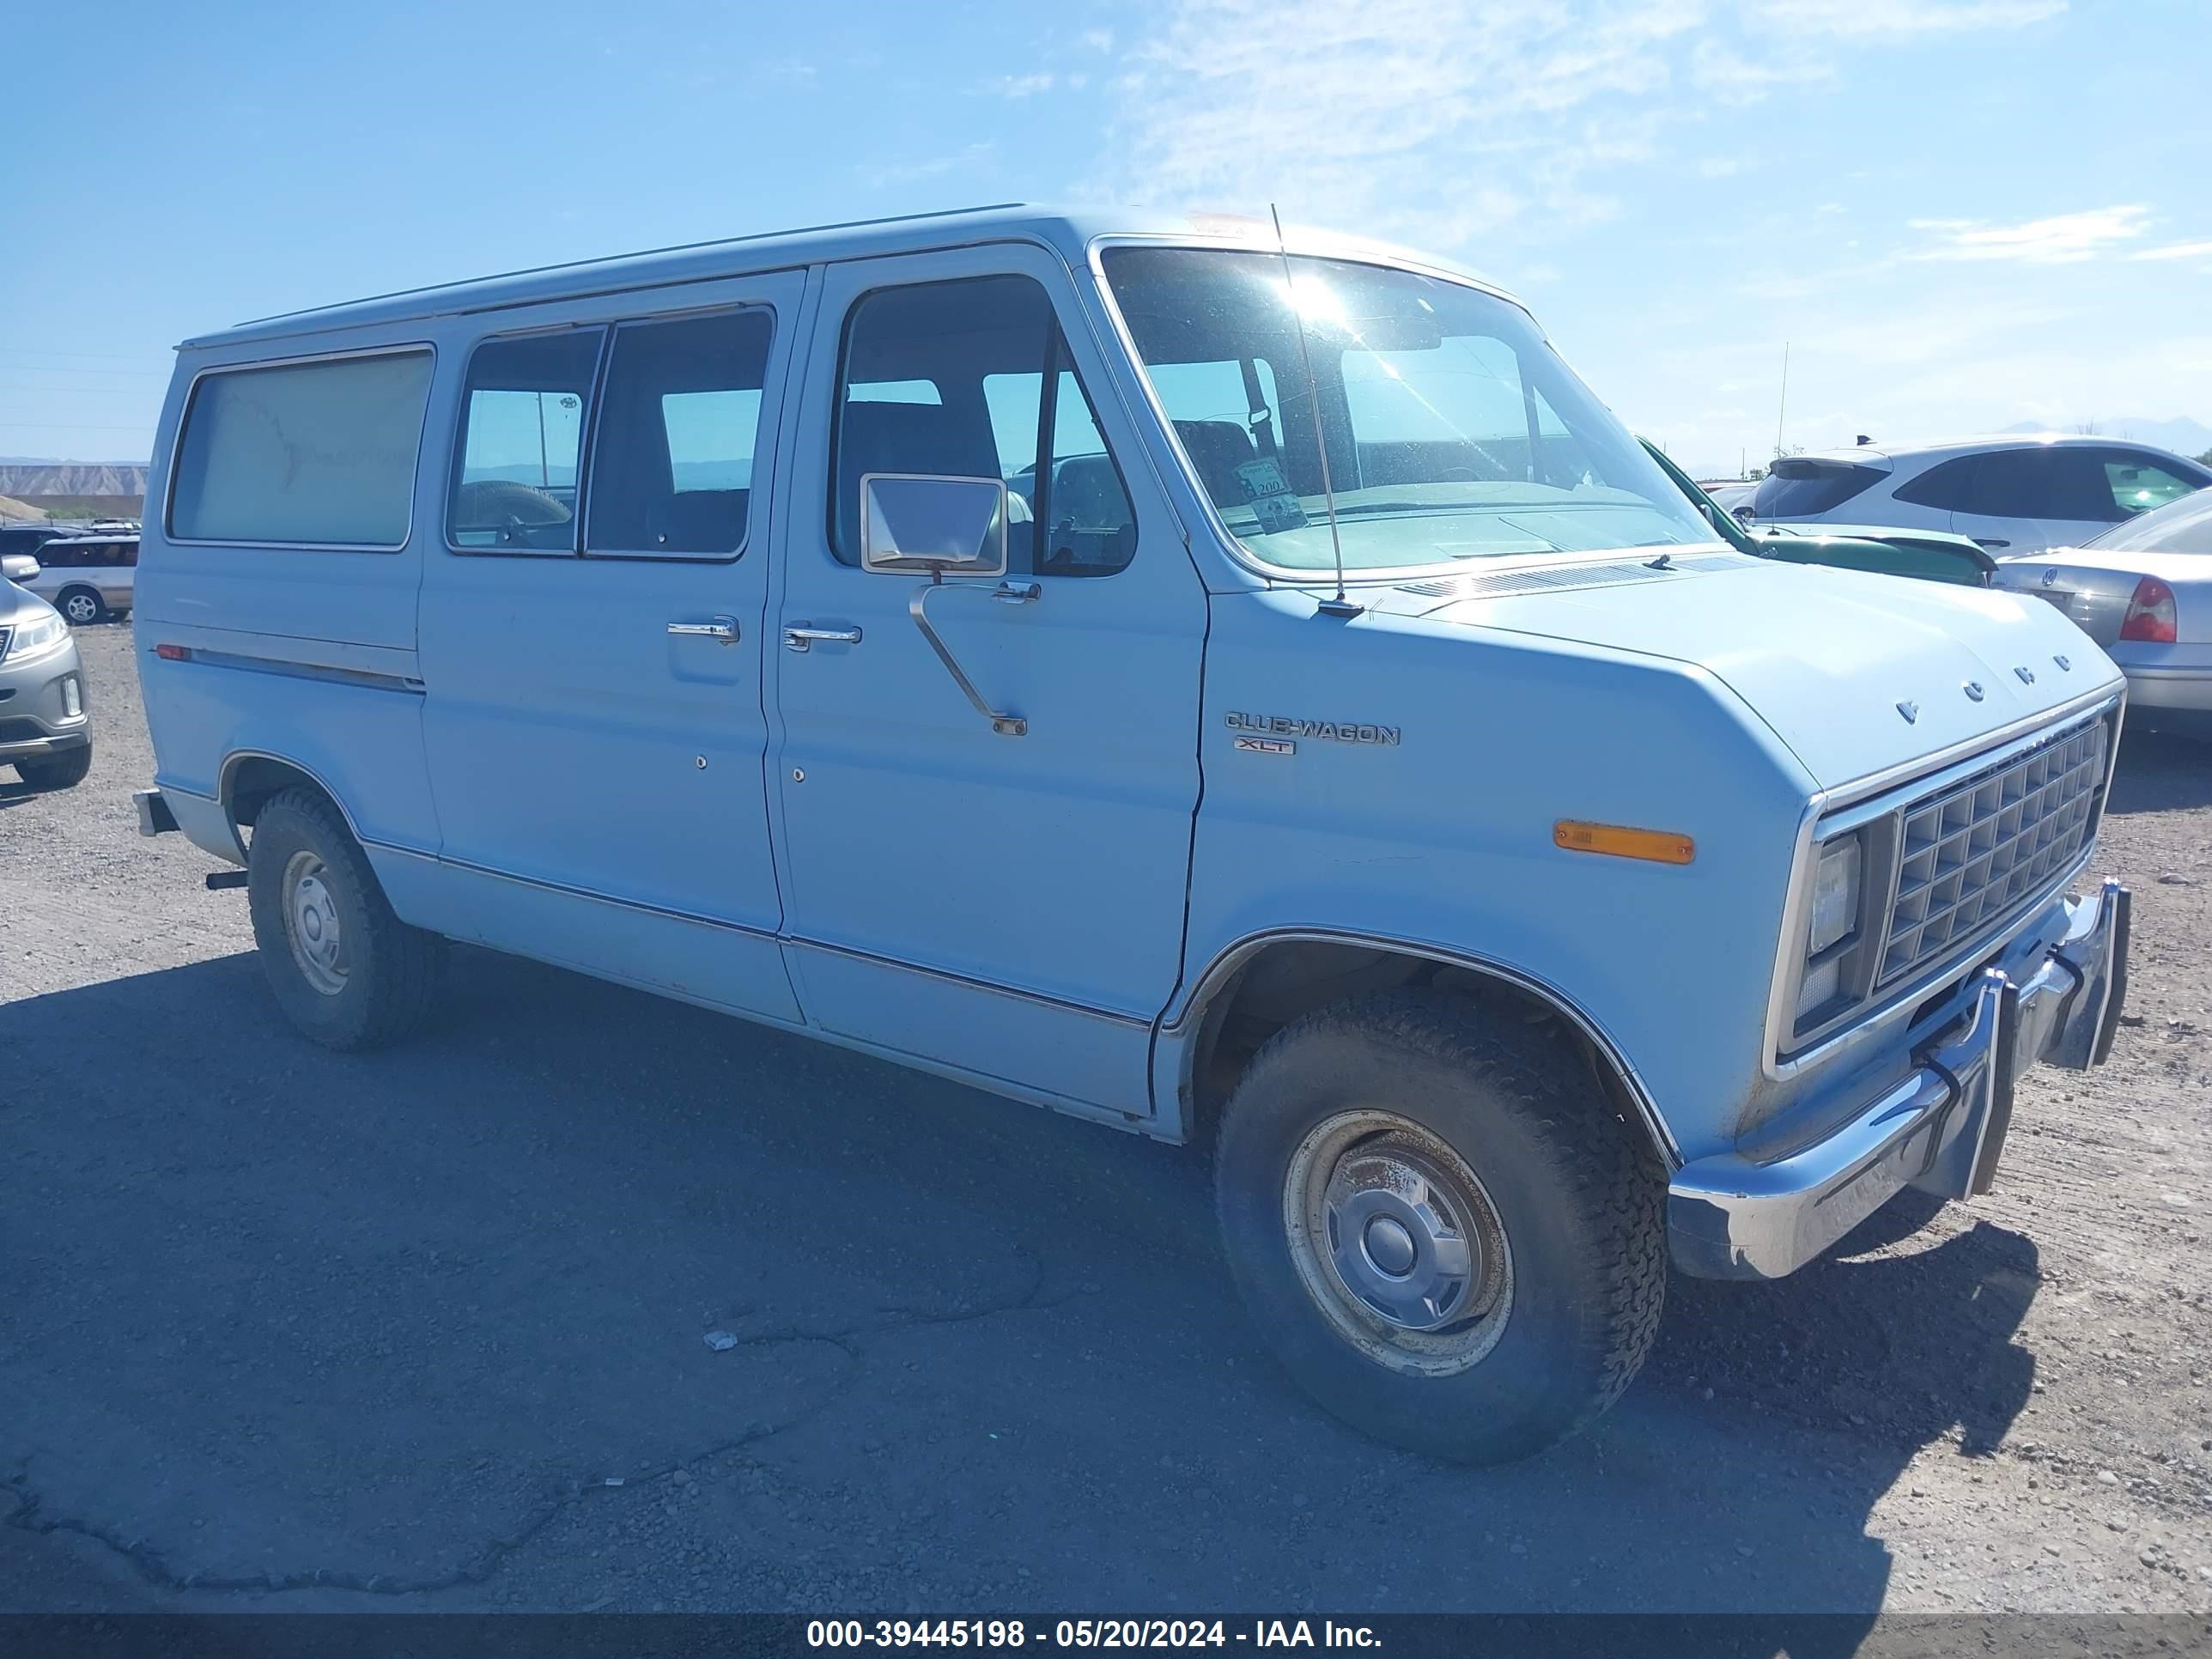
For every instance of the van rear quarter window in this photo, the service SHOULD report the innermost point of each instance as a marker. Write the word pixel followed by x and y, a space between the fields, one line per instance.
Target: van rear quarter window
pixel 302 454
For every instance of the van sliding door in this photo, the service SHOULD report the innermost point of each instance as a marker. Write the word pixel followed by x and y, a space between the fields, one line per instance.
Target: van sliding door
pixel 592 632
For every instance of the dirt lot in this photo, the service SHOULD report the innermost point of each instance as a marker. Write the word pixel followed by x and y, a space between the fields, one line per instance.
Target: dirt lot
pixel 423 1329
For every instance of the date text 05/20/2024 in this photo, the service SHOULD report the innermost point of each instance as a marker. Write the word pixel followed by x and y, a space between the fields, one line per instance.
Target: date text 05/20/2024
pixel 1085 1633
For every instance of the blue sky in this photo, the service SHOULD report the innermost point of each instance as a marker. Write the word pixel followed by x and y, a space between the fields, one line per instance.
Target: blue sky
pixel 1961 214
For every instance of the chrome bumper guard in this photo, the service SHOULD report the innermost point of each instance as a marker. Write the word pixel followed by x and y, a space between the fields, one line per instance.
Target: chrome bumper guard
pixel 1942 1129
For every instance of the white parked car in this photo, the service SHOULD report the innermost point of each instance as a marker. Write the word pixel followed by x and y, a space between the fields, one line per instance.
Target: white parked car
pixel 89 579
pixel 2013 495
pixel 2143 592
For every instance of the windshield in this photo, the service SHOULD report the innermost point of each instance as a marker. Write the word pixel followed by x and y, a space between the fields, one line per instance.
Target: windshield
pixel 2179 526
pixel 1454 430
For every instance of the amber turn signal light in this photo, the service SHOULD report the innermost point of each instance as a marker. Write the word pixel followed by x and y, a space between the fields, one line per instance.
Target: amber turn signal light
pixel 1657 846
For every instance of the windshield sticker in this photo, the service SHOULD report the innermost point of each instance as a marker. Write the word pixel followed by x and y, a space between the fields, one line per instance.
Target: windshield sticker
pixel 1273 504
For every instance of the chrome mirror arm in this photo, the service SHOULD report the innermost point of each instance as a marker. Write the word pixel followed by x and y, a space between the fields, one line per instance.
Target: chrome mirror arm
pixel 1007 592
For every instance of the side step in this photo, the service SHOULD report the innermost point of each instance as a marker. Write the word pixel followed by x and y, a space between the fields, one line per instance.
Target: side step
pixel 155 818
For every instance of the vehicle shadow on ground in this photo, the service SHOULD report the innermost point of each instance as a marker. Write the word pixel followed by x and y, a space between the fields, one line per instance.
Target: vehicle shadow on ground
pixel 384 1330
pixel 2160 772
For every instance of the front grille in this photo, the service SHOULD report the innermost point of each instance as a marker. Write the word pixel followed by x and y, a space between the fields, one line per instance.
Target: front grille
pixel 5 634
pixel 1979 850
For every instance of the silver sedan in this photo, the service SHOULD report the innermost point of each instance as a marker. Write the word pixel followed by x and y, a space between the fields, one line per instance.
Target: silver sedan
pixel 2143 591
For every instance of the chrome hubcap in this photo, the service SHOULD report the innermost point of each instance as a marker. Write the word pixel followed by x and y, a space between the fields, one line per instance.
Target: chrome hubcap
pixel 312 924
pixel 1398 1242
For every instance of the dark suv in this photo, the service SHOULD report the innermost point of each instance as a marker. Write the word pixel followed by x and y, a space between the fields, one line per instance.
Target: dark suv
pixel 28 537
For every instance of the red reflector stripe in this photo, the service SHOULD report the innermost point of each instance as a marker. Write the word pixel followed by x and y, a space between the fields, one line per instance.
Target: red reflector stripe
pixel 173 652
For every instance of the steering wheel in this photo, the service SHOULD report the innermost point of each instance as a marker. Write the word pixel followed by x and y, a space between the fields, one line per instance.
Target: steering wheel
pixel 512 509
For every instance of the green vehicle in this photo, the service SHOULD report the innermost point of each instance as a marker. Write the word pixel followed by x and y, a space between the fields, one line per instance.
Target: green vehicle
pixel 1932 556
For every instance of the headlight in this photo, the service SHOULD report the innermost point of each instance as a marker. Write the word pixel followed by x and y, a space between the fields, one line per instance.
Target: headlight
pixel 1835 894
pixel 40 634
pixel 1834 915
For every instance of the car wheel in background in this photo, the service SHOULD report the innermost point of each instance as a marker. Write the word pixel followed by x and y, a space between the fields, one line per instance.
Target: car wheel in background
pixel 63 771
pixel 82 605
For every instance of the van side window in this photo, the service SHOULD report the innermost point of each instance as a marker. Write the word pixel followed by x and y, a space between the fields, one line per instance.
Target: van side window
pixel 972 379
pixel 310 454
pixel 672 460
pixel 519 452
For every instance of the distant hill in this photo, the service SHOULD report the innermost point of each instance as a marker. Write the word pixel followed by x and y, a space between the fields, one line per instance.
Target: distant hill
pixel 71 478
pixel 2182 435
pixel 13 509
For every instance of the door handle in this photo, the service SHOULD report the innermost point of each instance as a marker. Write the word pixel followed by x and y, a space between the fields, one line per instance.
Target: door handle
pixel 800 637
pixel 724 628
pixel 1987 541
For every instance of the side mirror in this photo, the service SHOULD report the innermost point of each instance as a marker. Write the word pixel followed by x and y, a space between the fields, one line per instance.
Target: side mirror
pixel 19 567
pixel 913 522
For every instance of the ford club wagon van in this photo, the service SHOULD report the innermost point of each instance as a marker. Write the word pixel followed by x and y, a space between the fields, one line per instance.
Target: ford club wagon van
pixel 1249 693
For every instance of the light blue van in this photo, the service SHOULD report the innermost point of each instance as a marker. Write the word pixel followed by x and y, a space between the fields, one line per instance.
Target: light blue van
pixel 1246 695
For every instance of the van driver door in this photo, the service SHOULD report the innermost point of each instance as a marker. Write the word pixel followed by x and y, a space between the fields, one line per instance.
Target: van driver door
pixel 984 823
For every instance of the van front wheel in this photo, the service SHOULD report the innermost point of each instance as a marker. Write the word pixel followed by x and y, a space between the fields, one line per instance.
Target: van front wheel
pixel 1444 1231
pixel 346 970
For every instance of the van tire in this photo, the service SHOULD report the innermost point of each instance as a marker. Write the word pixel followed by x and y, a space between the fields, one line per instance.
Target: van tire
pixel 1576 1193
pixel 63 771
pixel 388 976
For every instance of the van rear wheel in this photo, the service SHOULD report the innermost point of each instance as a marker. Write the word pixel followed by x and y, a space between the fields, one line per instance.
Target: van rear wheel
pixel 1443 1228
pixel 345 970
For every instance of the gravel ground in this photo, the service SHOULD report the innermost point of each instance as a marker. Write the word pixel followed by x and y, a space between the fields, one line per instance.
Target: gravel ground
pixel 423 1330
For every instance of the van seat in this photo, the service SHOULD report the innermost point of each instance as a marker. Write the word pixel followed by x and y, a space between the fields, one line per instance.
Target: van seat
pixel 1217 449
pixel 703 520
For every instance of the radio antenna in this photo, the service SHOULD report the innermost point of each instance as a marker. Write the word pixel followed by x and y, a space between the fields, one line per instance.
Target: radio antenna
pixel 1338 606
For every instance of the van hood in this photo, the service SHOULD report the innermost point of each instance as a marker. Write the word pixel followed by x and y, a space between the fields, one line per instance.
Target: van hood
pixel 1831 659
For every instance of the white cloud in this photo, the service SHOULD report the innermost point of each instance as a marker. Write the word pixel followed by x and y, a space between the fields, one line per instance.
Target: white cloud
pixel 1735 79
pixel 907 172
pixel 1400 113
pixel 2062 239
pixel 1097 40
pixel 1440 120
pixel 1019 86
pixel 1853 18
pixel 2175 250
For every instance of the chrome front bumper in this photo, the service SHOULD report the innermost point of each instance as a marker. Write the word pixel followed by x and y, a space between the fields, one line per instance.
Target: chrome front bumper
pixel 1942 1129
